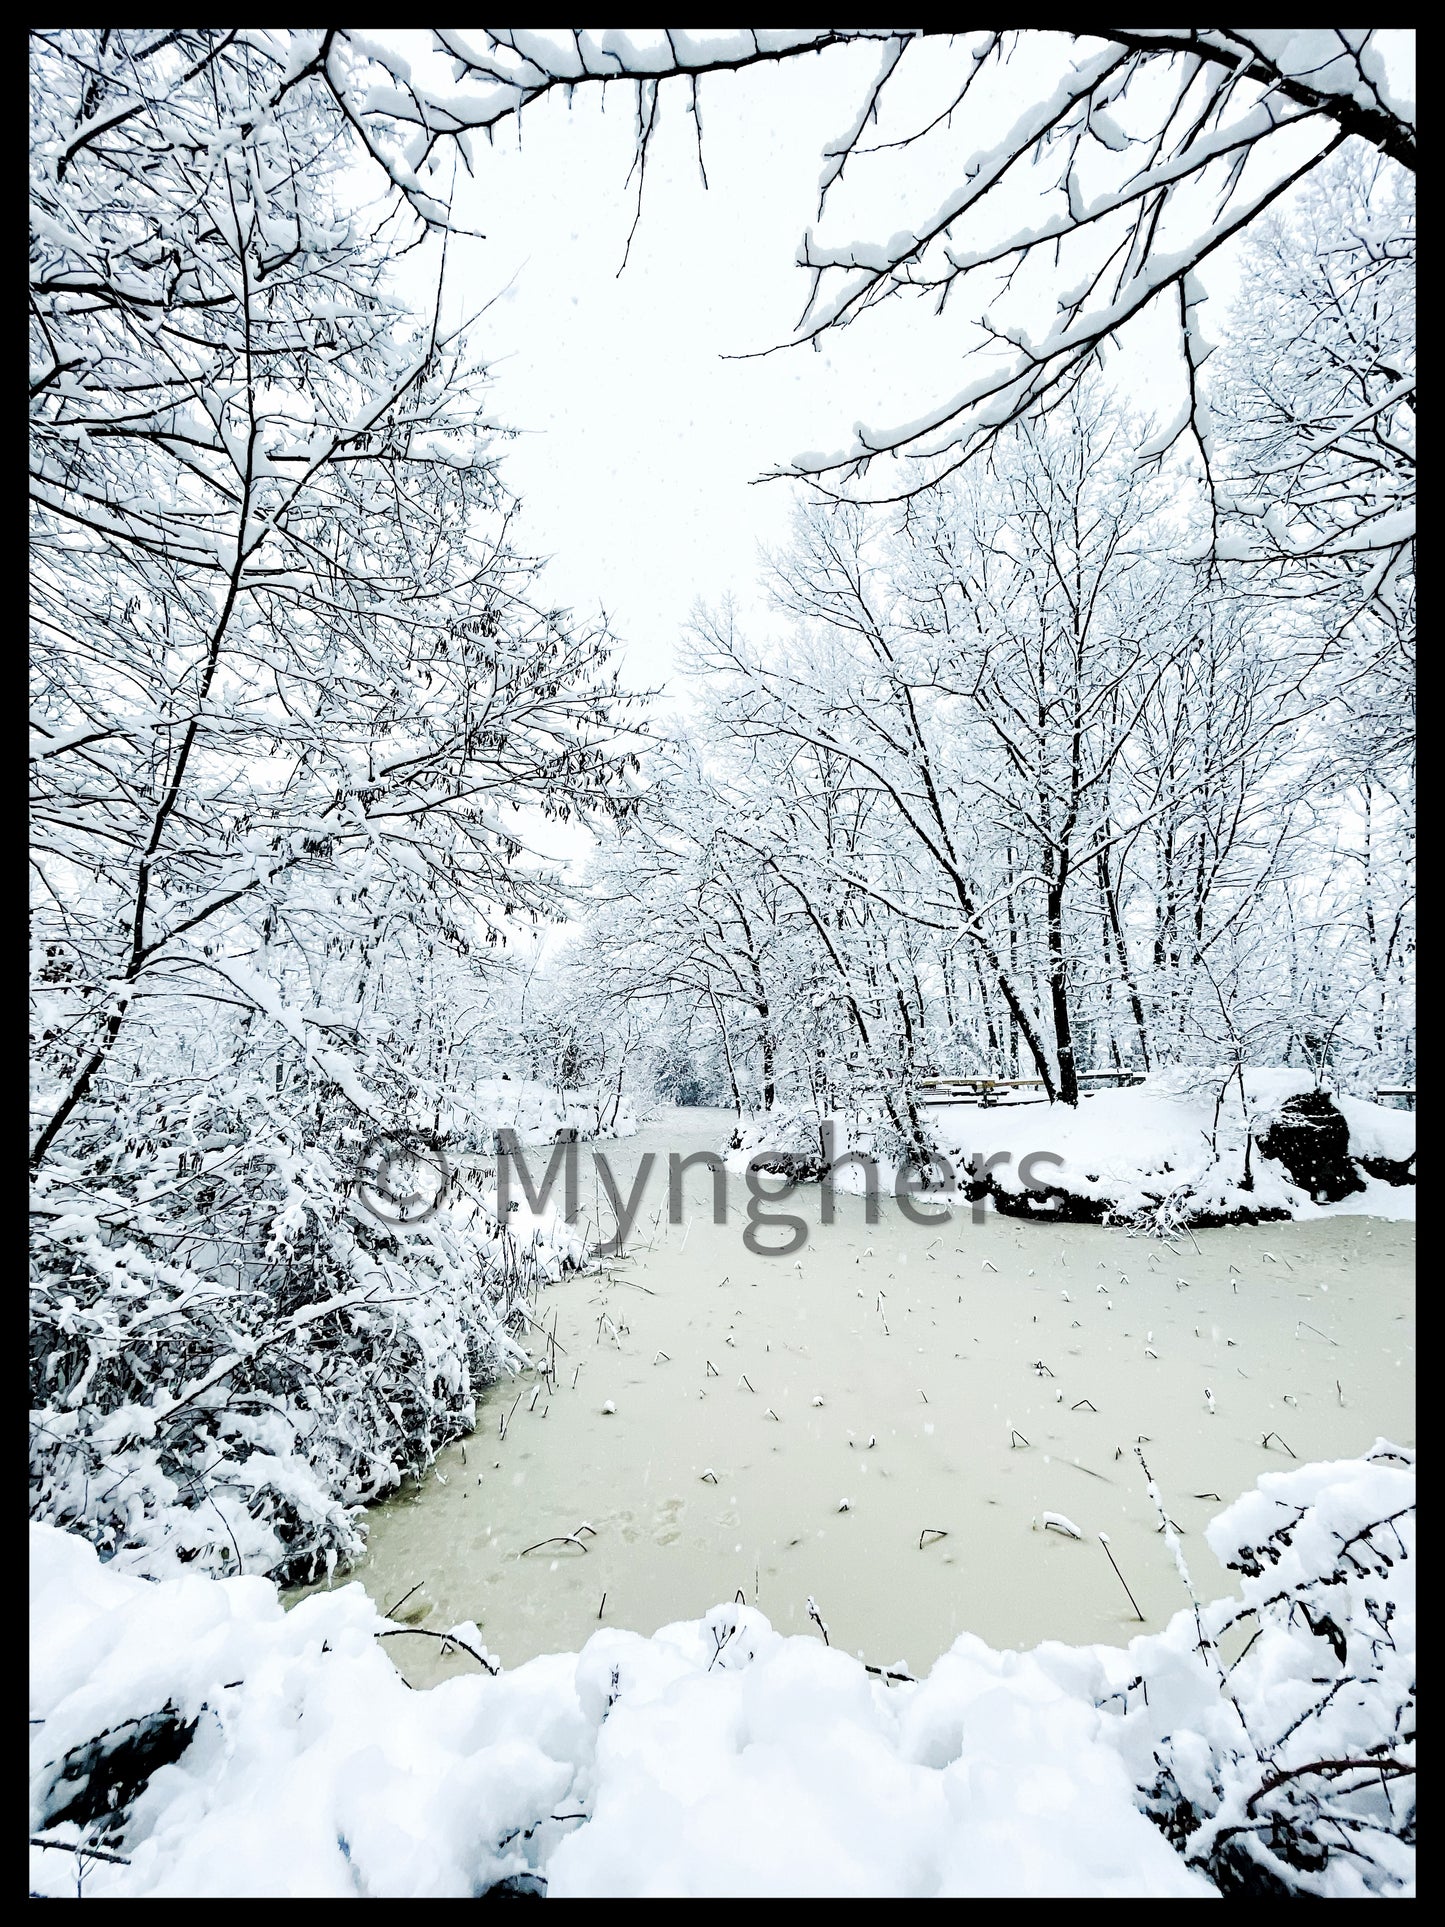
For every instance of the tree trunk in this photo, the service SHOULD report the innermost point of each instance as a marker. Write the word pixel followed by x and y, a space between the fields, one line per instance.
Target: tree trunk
pixel 1111 904
pixel 1059 998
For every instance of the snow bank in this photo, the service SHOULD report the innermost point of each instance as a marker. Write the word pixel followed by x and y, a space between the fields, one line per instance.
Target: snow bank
pixel 1162 1154
pixel 257 1752
pixel 1376 1130
pixel 1146 1152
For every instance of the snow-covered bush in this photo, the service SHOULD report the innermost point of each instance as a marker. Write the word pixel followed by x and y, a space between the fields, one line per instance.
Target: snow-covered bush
pixel 800 1141
pixel 790 1130
pixel 1274 1737
pixel 229 1355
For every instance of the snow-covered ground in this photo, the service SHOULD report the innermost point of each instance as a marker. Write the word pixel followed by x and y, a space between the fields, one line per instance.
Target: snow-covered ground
pixel 259 1752
pixel 1137 1147
pixel 1156 1150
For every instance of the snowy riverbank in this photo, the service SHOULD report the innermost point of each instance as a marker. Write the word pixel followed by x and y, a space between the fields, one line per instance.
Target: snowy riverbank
pixel 208 1743
pixel 1179 1149
pixel 1161 1152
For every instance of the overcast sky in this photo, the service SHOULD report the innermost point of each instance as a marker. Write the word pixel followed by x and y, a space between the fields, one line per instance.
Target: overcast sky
pixel 642 443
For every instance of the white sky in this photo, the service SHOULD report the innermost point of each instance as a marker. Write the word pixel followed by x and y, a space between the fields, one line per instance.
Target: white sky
pixel 642 441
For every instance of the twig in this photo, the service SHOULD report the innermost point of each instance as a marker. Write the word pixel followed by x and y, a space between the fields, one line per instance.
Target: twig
pixel 933 1532
pixel 1205 1646
pixel 1103 1541
pixel 492 1666
pixel 1315 1329
pixel 79 1847
pixel 719 1643
pixel 1397 1769
pixel 1087 1470
pixel 561 1539
pixel 391 1611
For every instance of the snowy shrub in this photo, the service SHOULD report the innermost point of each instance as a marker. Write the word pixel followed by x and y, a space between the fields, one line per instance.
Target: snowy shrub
pixel 228 1355
pixel 1288 1767
pixel 789 1130
pixel 797 1137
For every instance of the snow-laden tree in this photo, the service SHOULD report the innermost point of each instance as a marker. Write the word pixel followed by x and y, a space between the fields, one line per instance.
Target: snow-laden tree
pixel 297 705
pixel 290 673
pixel 1008 785
pixel 986 669
pixel 686 918
pixel 1312 394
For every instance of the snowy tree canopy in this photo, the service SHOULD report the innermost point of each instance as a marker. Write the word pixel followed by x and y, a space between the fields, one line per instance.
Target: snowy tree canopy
pixel 1138 152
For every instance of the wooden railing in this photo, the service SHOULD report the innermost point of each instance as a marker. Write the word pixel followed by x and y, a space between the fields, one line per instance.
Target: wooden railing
pixel 1407 1091
pixel 999 1090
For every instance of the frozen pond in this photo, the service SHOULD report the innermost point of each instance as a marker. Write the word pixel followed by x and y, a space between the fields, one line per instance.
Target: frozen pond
pixel 897 1370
